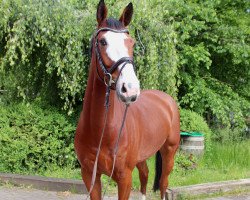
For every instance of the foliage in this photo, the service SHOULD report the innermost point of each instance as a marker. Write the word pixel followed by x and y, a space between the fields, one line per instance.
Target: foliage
pixel 46 47
pixel 184 162
pixel 227 135
pixel 33 139
pixel 197 51
pixel 155 52
pixel 43 50
pixel 191 121
pixel 214 49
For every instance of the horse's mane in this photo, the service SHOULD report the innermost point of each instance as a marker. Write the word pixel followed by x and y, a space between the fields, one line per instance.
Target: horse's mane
pixel 110 23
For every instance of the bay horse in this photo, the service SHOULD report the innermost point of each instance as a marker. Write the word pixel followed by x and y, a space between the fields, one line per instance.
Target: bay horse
pixel 152 123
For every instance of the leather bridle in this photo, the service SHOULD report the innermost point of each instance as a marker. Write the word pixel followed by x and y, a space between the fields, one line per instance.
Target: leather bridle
pixel 108 71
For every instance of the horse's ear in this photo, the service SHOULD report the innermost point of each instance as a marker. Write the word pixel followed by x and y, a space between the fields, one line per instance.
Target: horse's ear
pixel 102 12
pixel 126 16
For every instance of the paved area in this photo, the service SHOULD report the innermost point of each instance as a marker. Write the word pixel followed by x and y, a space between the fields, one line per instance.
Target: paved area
pixel 18 193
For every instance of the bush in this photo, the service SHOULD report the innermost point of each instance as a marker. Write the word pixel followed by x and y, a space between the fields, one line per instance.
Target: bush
pixel 33 139
pixel 191 121
pixel 184 162
pixel 227 135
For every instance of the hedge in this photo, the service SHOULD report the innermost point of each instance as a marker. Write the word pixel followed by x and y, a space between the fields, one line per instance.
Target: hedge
pixel 33 139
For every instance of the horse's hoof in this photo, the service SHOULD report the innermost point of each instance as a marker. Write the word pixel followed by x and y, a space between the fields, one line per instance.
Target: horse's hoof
pixel 169 195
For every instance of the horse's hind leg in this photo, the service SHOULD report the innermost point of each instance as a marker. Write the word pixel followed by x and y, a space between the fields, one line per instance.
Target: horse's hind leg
pixel 167 155
pixel 143 174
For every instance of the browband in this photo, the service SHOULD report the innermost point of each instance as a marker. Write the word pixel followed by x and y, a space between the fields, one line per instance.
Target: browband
pixel 110 29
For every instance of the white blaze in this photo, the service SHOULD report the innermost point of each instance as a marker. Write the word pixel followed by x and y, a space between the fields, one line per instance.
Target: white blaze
pixel 116 49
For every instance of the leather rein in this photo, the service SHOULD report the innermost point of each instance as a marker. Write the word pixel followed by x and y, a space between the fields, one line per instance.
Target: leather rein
pixel 108 81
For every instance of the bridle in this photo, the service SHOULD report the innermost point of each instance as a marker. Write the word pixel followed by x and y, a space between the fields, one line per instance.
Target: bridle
pixel 108 79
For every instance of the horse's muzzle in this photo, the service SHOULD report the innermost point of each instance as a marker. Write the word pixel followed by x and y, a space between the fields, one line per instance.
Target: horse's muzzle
pixel 128 100
pixel 127 94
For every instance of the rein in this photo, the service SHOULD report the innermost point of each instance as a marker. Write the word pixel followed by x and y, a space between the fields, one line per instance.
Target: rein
pixel 108 82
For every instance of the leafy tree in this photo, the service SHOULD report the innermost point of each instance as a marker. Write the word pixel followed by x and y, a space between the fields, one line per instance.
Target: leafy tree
pixel 43 52
pixel 213 48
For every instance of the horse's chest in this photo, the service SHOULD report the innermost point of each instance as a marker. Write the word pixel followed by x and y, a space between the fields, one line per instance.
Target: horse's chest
pixel 105 161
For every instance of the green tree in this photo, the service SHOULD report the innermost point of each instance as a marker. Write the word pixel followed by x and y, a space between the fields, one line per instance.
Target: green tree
pixel 213 48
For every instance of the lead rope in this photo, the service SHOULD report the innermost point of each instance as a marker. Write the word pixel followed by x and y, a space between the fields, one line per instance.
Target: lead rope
pixel 116 149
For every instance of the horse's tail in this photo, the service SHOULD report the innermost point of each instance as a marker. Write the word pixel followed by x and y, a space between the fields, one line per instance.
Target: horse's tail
pixel 158 171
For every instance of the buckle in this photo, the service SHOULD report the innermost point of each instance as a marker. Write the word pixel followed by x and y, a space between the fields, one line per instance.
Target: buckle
pixel 108 81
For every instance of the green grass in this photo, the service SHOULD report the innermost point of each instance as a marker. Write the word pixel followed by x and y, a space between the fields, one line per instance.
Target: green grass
pixel 67 173
pixel 224 162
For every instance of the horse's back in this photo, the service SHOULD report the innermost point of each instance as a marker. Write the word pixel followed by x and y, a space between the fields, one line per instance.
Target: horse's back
pixel 158 119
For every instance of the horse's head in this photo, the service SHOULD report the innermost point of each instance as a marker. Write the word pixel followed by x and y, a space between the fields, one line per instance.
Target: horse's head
pixel 114 51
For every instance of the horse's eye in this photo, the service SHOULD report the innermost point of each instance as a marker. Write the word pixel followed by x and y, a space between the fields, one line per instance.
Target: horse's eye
pixel 103 42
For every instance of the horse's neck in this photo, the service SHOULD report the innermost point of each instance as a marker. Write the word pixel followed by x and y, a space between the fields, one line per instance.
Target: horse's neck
pixel 93 108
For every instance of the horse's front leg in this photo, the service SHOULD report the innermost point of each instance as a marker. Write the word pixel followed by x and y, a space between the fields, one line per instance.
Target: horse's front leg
pixel 96 193
pixel 143 174
pixel 124 182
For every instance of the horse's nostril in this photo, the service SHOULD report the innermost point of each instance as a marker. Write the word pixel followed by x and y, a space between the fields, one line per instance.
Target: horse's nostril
pixel 133 98
pixel 124 90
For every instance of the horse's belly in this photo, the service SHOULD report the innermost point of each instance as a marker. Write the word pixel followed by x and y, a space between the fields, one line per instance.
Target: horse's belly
pixel 151 141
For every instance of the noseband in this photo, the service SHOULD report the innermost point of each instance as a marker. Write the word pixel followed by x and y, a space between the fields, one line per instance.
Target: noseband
pixel 108 80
